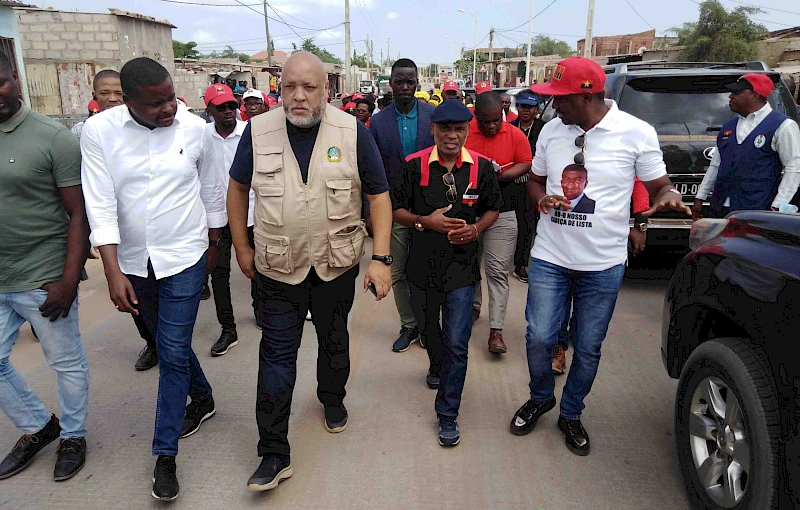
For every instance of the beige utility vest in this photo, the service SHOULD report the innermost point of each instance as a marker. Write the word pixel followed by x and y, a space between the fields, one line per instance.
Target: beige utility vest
pixel 299 225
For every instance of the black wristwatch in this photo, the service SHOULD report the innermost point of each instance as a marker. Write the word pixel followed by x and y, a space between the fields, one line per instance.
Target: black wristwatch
pixel 640 222
pixel 386 259
pixel 213 243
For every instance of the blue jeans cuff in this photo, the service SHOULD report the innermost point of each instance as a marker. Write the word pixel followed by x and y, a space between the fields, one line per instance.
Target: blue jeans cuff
pixel 571 416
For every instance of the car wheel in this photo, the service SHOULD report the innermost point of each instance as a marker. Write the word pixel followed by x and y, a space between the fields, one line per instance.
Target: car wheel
pixel 727 426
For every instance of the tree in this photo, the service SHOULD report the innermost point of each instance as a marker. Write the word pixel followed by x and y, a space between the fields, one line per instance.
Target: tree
pixel 463 66
pixel 719 35
pixel 431 71
pixel 542 45
pixel 229 52
pixel 185 50
pixel 359 60
pixel 323 54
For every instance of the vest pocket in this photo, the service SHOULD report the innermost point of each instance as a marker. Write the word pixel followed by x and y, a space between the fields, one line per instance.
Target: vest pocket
pixel 270 203
pixel 276 252
pixel 346 245
pixel 339 198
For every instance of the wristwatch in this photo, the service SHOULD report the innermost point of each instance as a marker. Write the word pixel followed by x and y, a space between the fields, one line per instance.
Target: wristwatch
pixel 386 259
pixel 418 223
pixel 642 226
pixel 213 243
pixel 640 222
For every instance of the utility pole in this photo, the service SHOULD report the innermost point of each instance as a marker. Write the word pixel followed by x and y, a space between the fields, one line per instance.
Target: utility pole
pixel 587 47
pixel 388 53
pixel 369 57
pixel 347 80
pixel 380 65
pixel 528 81
pixel 266 29
pixel 491 66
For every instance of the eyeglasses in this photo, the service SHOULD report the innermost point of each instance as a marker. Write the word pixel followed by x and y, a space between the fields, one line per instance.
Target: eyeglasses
pixel 230 105
pixel 450 182
pixel 580 158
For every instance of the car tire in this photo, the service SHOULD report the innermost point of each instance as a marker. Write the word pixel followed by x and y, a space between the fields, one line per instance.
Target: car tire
pixel 715 369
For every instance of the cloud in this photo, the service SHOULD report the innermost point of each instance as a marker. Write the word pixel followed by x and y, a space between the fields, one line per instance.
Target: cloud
pixel 392 15
pixel 329 34
pixel 203 37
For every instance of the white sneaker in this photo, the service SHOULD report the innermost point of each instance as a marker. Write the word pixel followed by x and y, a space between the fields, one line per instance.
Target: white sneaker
pixel 308 315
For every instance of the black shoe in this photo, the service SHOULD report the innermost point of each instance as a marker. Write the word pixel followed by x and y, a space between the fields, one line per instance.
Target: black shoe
pixel 27 447
pixel 522 274
pixel 576 436
pixel 197 412
pixel 71 456
pixel 148 358
pixel 227 339
pixel 407 337
pixel 422 342
pixel 432 380
pixel 270 472
pixel 525 418
pixel 206 293
pixel 476 312
pixel 165 479
pixel 335 418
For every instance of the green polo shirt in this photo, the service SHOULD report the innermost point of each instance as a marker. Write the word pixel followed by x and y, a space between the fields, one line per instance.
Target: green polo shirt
pixel 37 156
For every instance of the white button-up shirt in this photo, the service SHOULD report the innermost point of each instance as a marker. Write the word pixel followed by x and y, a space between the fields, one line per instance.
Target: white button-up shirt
pixel 149 192
pixel 222 152
pixel 786 143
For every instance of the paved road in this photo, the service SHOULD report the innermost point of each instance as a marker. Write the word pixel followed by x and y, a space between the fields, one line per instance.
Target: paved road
pixel 389 456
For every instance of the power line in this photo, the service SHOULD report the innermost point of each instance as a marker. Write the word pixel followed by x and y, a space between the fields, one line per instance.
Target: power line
pixel 241 4
pixel 640 16
pixel 765 8
pixel 756 19
pixel 528 21
pixel 542 33
pixel 277 37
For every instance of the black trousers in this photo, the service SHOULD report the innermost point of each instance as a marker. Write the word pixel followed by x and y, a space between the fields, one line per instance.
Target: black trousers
pixel 527 216
pixel 148 337
pixel 221 279
pixel 282 310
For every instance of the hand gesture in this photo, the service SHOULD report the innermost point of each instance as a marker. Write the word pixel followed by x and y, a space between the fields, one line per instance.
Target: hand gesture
pixel 548 202
pixel 440 223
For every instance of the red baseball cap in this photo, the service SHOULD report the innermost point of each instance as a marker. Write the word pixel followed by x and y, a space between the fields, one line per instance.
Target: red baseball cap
pixel 574 75
pixel 93 106
pixel 350 106
pixel 450 85
pixel 218 94
pixel 358 96
pixel 483 86
pixel 759 83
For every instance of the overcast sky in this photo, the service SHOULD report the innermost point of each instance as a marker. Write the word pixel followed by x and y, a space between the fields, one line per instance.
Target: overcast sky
pixel 426 31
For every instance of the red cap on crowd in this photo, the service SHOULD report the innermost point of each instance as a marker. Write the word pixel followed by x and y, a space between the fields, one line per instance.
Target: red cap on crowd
pixel 350 106
pixel 270 100
pixel 574 75
pixel 358 96
pixel 218 94
pixel 93 107
pixel 483 86
pixel 450 85
pixel 759 83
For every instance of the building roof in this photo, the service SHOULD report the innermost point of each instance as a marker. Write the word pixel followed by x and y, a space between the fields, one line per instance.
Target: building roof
pixel 784 33
pixel 134 15
pixel 14 3
pixel 278 56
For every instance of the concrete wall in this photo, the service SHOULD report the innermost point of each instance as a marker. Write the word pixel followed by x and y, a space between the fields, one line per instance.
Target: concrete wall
pixel 69 36
pixel 191 86
pixel 141 38
pixel 9 30
pixel 619 44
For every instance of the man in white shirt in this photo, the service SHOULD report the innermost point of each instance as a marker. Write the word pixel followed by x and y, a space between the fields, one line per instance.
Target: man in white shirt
pixel 588 249
pixel 222 139
pixel 155 210
pixel 746 175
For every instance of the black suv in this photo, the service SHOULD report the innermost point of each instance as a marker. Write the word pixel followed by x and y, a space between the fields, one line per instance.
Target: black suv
pixel 686 103
pixel 731 318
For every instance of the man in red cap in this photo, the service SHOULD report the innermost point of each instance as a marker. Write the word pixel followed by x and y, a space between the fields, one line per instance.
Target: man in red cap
pixel 450 90
pixel 751 148
pixel 585 250
pixel 482 86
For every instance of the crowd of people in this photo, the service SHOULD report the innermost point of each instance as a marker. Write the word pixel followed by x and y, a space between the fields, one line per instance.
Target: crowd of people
pixel 444 185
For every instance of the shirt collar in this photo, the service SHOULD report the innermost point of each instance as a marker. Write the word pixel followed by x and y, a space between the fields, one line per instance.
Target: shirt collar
pixel 237 131
pixel 760 113
pixel 609 120
pixel 127 117
pixel 411 115
pixel 15 120
pixel 464 157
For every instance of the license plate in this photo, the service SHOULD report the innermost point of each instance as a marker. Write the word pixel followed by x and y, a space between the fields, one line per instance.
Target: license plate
pixel 686 188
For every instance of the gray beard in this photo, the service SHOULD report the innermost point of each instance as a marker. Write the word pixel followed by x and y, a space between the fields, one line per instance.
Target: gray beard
pixel 306 122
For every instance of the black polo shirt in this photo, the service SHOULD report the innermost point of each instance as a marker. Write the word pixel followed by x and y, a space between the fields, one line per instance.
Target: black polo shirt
pixel 432 261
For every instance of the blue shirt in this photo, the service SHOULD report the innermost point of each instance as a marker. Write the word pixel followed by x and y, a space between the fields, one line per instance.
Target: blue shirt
pixel 407 126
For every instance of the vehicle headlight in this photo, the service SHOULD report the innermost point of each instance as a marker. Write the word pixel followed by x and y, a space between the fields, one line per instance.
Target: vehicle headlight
pixel 704 230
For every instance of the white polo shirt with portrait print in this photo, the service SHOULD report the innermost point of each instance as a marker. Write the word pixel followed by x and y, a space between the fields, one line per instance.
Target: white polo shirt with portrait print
pixel 619 148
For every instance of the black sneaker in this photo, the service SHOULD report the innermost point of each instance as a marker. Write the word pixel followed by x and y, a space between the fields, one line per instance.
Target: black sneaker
pixel 270 472
pixel 449 433
pixel 71 456
pixel 476 313
pixel 227 339
pixel 165 479
pixel 206 292
pixel 576 436
pixel 197 412
pixel 522 274
pixel 148 358
pixel 407 337
pixel 525 418
pixel 432 381
pixel 335 418
pixel 27 447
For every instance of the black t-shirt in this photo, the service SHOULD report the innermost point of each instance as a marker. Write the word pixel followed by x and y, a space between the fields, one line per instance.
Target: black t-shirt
pixel 370 164
pixel 432 261
pixel 533 133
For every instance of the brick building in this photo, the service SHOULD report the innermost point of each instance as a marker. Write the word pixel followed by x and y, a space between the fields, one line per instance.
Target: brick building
pixel 619 44
pixel 62 51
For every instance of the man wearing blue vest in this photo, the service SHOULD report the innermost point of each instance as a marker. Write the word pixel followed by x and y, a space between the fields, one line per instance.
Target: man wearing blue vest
pixel 753 149
pixel 399 130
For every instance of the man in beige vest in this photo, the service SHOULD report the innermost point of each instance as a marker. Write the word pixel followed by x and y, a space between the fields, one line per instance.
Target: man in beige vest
pixel 308 163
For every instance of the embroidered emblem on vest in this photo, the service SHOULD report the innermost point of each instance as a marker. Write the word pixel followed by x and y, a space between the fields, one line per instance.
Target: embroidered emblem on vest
pixel 726 134
pixel 334 155
pixel 760 141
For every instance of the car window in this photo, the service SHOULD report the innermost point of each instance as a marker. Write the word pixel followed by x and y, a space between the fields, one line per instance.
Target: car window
pixel 683 105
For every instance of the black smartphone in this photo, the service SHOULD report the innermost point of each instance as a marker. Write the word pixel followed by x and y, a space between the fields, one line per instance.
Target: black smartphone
pixel 371 287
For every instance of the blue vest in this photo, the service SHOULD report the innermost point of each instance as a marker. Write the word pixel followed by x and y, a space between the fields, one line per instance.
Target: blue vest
pixel 749 173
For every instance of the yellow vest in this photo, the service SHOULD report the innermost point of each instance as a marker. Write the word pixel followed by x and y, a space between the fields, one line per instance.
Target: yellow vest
pixel 299 225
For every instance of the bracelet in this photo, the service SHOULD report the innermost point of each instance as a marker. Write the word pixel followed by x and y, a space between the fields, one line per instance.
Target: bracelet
pixel 539 203
pixel 675 191
pixel 476 229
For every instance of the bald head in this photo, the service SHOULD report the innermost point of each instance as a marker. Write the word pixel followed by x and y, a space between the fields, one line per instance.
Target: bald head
pixel 304 89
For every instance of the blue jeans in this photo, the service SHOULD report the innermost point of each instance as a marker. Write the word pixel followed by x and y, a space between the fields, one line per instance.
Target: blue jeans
pixel 169 308
pixel 594 296
pixel 447 346
pixel 61 344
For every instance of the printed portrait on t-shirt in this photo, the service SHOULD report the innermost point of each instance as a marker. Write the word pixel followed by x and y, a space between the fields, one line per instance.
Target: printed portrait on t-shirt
pixel 573 183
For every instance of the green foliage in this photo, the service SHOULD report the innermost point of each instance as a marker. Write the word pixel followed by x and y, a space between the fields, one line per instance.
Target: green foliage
pixel 323 54
pixel 463 66
pixel 185 50
pixel 542 45
pixel 719 35
pixel 359 60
